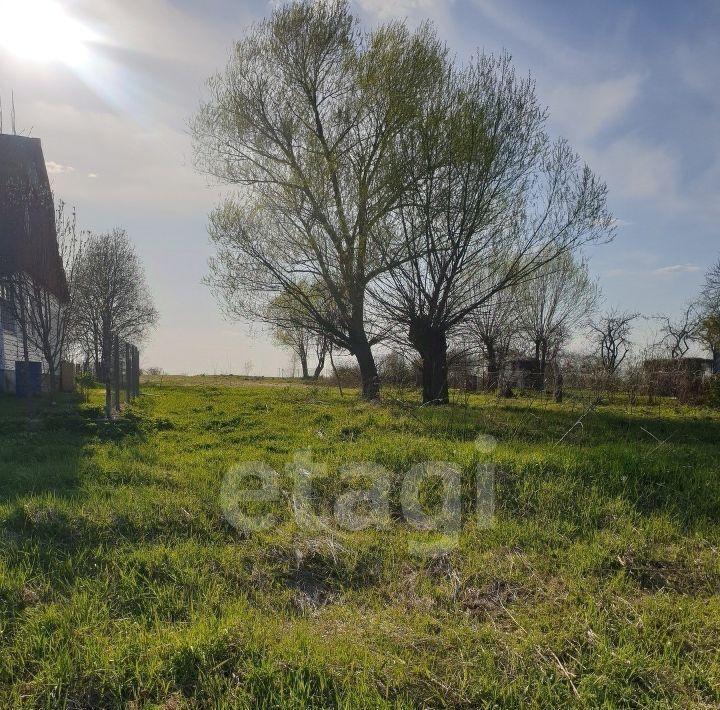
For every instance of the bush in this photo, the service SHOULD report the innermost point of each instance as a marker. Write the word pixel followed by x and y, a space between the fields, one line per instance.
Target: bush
pixel 395 369
pixel 348 374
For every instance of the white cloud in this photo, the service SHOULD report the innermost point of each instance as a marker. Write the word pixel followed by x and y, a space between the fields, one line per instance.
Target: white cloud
pixel 677 269
pixel 54 168
pixel 148 166
pixel 636 169
pixel 584 110
pixel 382 9
pixel 516 23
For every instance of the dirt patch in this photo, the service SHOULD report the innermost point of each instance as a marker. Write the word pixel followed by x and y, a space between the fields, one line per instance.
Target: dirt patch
pixel 310 592
pixel 493 598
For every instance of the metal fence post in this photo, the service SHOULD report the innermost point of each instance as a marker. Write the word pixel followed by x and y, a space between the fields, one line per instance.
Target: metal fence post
pixel 116 371
pixel 128 374
pixel 136 370
pixel 107 377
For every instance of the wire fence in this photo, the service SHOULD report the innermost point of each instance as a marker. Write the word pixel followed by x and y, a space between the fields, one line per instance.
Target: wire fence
pixel 122 381
pixel 645 382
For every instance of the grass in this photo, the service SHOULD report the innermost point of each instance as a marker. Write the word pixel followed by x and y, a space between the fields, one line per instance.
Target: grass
pixel 122 584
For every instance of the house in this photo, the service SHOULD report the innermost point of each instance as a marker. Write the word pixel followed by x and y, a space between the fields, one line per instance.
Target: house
pixel 525 373
pixel 28 244
pixel 681 376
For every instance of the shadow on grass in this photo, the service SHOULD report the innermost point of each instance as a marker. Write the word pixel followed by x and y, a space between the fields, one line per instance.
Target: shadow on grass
pixel 541 421
pixel 42 442
pixel 658 460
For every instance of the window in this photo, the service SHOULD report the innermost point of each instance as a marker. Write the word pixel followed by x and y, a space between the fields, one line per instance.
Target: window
pixel 7 315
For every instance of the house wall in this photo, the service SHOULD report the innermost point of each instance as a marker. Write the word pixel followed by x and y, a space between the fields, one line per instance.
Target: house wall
pixel 11 350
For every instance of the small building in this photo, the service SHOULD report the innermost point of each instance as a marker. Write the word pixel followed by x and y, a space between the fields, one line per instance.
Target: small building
pixel 28 244
pixel 679 377
pixel 698 366
pixel 523 373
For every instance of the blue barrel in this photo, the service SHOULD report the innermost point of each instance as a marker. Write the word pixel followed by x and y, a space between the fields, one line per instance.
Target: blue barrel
pixel 30 386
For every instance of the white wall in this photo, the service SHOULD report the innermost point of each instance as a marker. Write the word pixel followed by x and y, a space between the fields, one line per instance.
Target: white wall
pixel 11 349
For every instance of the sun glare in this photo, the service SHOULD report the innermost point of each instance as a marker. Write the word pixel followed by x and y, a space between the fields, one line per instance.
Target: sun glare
pixel 41 31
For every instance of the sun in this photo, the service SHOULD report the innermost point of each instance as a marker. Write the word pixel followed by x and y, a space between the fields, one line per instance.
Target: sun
pixel 41 31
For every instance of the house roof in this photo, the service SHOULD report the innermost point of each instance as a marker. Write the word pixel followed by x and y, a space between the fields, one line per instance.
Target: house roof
pixel 28 236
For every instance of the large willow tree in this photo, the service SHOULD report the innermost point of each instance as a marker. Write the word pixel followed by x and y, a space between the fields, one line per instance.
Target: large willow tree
pixel 492 201
pixel 306 121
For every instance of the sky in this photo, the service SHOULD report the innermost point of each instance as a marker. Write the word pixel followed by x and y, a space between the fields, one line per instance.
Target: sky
pixel 633 86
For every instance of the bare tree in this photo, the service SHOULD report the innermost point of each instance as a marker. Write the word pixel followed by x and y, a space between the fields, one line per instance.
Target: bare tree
pixel 710 297
pixel 709 306
pixel 293 329
pixel 559 297
pixel 46 320
pixel 306 119
pixel 678 334
pixel 491 329
pixel 612 336
pixel 492 200
pixel 111 296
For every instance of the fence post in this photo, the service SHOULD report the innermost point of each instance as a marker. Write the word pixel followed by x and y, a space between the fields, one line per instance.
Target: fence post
pixel 136 370
pixel 128 374
pixel 107 377
pixel 116 371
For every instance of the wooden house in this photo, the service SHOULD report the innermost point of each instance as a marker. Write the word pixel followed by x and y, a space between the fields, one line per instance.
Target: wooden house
pixel 28 243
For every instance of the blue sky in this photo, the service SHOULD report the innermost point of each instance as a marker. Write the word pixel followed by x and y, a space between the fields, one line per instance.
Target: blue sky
pixel 633 86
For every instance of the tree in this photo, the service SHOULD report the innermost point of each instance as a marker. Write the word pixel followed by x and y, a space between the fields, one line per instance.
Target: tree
pixel 491 201
pixel 291 328
pixel 51 320
pixel 305 119
pixel 612 336
pixel 677 335
pixel 709 306
pixel 111 297
pixel 559 297
pixel 492 329
pixel 709 334
pixel 46 321
pixel 710 296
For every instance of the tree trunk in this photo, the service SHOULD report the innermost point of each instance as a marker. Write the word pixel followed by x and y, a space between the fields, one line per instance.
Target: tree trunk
pixel 98 366
pixel 431 344
pixel 493 369
pixel 26 351
pixel 106 364
pixel 557 382
pixel 319 367
pixel 50 360
pixel 302 354
pixel 334 369
pixel 435 374
pixel 368 369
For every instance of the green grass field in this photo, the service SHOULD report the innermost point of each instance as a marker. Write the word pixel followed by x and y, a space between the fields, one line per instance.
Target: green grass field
pixel 122 584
